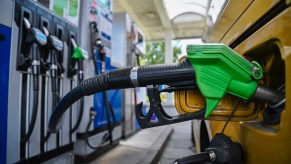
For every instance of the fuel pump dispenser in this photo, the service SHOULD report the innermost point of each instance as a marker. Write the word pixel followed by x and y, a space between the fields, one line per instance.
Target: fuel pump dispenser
pixel 99 59
pixel 76 60
pixel 101 125
pixel 60 31
pixel 79 55
pixel 5 42
pixel 33 36
pixel 35 84
pixel 71 74
pixel 214 69
pixel 138 43
pixel 54 46
pixel 137 50
pixel 124 42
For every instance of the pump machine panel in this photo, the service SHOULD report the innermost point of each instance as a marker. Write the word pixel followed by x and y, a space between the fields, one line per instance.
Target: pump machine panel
pixel 37 83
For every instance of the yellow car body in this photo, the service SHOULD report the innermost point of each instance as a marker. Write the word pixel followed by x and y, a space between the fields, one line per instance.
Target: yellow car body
pixel 259 30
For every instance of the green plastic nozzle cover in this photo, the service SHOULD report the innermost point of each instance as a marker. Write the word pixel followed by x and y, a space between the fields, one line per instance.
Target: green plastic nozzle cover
pixel 78 54
pixel 220 70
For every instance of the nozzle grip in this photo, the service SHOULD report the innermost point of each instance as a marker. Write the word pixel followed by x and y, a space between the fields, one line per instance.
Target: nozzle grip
pixel 165 73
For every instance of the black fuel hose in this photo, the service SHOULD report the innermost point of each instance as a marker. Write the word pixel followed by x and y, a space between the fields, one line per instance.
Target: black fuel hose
pixel 35 77
pixel 121 79
pixel 108 111
pixel 81 102
pixel 33 118
pixel 54 87
pixel 87 136
pixel 97 147
pixel 55 46
pixel 108 107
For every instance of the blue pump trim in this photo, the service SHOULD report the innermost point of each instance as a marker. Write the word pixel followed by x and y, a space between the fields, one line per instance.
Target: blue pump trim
pixel 114 96
pixel 4 82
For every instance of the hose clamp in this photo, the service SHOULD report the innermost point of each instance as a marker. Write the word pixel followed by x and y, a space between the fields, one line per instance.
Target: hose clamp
pixel 133 77
pixel 35 62
pixel 54 66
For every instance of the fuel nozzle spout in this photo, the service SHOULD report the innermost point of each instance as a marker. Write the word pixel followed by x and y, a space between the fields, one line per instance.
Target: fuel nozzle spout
pixel 121 79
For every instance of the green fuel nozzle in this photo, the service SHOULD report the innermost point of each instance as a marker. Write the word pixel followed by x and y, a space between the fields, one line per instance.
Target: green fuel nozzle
pixel 214 68
pixel 220 70
pixel 79 53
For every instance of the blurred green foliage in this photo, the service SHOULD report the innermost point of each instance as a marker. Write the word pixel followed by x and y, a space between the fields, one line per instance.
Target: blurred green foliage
pixel 155 53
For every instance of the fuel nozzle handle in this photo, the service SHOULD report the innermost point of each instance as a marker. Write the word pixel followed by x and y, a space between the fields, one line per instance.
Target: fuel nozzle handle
pixel 34 36
pixel 53 42
pixel 79 53
pixel 121 79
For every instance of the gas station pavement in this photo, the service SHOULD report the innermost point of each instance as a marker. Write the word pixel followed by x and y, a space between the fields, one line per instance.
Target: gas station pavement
pixel 179 144
pixel 154 145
